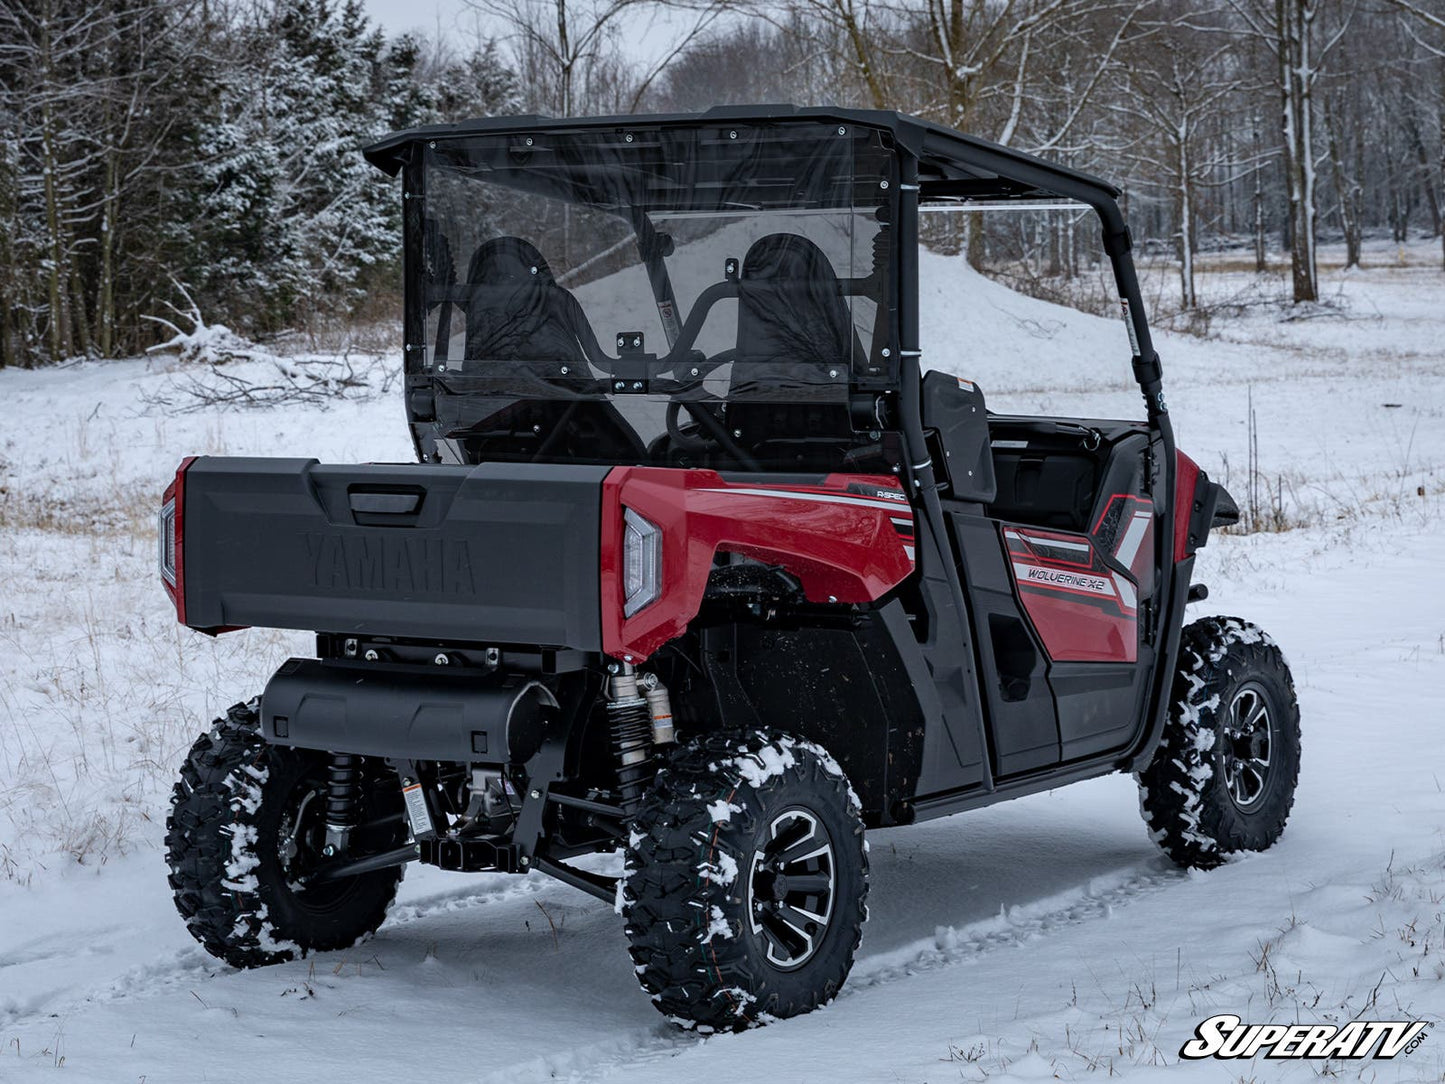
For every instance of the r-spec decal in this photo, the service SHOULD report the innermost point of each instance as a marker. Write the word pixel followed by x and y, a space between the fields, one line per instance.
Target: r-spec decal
pixel 897 496
pixel 389 562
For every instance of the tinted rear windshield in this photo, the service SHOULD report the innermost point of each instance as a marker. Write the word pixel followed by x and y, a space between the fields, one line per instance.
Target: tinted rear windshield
pixel 652 268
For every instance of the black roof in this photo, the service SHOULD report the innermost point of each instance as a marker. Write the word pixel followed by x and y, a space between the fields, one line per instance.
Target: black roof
pixel 951 164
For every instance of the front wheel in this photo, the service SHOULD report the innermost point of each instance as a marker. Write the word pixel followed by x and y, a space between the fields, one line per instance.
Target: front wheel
pixel 746 880
pixel 247 828
pixel 1223 778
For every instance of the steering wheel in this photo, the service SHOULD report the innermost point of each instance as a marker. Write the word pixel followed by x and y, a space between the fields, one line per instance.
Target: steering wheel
pixel 714 429
pixel 686 441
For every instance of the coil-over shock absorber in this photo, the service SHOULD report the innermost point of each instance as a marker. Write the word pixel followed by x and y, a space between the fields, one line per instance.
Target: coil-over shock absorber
pixel 640 711
pixel 343 788
pixel 631 723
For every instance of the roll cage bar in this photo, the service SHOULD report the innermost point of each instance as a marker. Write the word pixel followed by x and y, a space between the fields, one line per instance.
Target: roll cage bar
pixel 933 166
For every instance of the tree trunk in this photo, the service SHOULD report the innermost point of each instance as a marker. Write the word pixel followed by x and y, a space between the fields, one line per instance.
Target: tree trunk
pixel 77 309
pixel 1261 243
pixel 1427 182
pixel 1346 190
pixel 7 356
pixel 564 47
pixel 1295 20
pixel 1184 234
pixel 105 289
pixel 58 318
pixel 862 53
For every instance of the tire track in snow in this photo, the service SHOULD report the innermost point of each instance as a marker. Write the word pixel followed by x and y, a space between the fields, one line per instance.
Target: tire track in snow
pixel 951 946
pixel 193 964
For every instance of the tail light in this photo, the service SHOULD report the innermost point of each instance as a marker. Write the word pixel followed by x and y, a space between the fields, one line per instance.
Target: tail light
pixel 171 526
pixel 641 562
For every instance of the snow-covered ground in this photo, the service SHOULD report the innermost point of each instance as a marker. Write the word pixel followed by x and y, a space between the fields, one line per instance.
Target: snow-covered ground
pixel 1039 939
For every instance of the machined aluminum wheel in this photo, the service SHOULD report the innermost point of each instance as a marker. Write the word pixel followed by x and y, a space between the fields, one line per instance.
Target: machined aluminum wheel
pixel 791 885
pixel 1248 743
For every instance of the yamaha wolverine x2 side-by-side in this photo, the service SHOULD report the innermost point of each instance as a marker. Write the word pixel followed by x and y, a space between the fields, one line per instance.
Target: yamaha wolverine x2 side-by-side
pixel 700 564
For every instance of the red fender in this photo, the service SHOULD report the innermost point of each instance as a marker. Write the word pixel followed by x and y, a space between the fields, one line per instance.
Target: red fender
pixel 848 538
pixel 1186 480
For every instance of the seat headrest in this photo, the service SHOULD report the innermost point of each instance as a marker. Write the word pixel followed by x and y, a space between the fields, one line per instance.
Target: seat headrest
pixel 788 257
pixel 507 260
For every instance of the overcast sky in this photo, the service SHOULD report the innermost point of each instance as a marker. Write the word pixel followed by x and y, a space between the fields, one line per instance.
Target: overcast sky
pixel 651 33
pixel 399 15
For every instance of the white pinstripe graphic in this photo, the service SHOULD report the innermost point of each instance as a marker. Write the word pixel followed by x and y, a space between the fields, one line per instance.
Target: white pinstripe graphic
pixel 821 498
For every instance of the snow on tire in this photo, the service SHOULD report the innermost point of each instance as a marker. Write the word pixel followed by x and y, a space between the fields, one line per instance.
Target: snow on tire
pixel 746 881
pixel 1223 778
pixel 237 803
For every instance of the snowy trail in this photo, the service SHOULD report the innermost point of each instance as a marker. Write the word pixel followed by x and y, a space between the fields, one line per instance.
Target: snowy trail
pixel 441 928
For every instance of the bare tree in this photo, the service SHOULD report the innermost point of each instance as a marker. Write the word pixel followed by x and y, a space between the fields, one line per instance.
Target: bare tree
pixel 565 50
pixel 1169 91
pixel 1426 29
pixel 1292 31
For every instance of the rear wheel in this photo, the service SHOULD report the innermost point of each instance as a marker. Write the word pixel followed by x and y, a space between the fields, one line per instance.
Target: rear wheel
pixel 247 829
pixel 746 880
pixel 1223 778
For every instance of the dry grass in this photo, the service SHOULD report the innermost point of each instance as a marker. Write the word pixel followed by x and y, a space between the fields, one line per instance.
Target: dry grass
pixel 101 691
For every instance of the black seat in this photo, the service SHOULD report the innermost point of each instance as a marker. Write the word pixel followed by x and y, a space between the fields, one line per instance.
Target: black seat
pixel 788 391
pixel 792 313
pixel 516 311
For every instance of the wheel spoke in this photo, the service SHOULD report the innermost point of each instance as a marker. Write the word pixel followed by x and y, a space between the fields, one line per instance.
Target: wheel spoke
pixel 806 845
pixel 1258 775
pixel 774 932
pixel 803 852
pixel 800 918
pixel 1256 715
pixel 792 941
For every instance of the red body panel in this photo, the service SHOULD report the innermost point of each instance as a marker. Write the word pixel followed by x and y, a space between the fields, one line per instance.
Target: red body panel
pixel 1083 610
pixel 847 539
pixel 1185 481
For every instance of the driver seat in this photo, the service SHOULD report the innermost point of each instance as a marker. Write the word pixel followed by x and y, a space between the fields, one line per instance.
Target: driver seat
pixel 794 327
pixel 791 311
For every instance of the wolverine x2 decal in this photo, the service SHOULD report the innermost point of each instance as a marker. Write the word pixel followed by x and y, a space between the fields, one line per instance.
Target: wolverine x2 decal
pixel 1083 603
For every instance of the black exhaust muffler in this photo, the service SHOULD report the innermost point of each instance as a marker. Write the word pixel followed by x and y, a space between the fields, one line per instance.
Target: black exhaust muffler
pixel 405 712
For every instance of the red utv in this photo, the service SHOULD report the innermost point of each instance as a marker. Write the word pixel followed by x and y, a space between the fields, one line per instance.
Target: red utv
pixel 698 564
